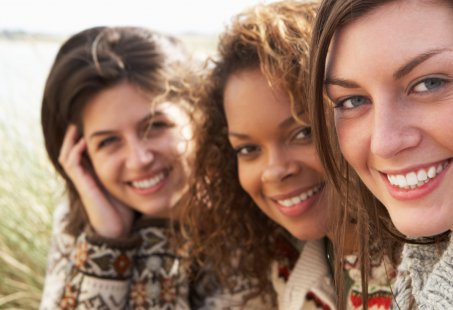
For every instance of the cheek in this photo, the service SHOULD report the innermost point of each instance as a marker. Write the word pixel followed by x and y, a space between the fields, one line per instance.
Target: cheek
pixel 440 129
pixel 174 144
pixel 105 167
pixel 310 155
pixel 352 142
pixel 178 150
pixel 248 178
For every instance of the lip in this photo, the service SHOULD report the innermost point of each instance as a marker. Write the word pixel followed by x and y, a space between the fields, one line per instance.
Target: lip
pixel 413 168
pixel 153 189
pixel 300 208
pixel 418 192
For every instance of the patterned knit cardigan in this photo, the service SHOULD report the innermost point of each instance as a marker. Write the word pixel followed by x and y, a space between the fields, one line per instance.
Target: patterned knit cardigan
pixel 142 272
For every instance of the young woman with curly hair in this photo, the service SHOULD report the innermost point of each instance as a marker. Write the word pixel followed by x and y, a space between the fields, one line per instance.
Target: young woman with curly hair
pixel 260 206
pixel 386 67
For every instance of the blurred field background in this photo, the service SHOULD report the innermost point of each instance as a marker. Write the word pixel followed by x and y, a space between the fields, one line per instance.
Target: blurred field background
pixel 29 188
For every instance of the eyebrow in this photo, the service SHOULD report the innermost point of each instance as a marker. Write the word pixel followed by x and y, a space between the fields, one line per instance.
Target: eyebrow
pixel 341 82
pixel 400 73
pixel 142 122
pixel 285 124
pixel 414 62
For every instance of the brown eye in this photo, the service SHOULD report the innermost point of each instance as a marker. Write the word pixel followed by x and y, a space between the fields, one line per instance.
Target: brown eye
pixel 245 150
pixel 303 133
pixel 157 125
pixel 107 141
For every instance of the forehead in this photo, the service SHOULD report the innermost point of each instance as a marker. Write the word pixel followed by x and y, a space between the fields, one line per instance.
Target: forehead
pixel 249 90
pixel 390 35
pixel 126 104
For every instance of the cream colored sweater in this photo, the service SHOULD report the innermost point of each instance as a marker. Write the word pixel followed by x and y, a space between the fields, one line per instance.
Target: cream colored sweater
pixel 425 277
pixel 309 285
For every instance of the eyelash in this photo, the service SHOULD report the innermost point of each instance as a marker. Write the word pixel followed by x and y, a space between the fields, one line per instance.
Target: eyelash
pixel 306 131
pixel 244 150
pixel 440 80
pixel 250 149
pixel 153 126
pixel 106 142
pixel 340 104
pixel 412 90
pixel 158 124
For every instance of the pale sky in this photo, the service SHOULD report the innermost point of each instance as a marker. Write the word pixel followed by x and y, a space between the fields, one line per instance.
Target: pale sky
pixel 171 16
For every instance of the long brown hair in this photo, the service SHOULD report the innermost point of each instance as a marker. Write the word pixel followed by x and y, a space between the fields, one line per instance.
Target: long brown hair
pixel 226 227
pixel 91 61
pixel 372 216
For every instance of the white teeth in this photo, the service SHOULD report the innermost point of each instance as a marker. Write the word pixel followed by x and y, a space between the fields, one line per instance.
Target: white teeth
pixel 411 179
pixel 421 175
pixel 401 179
pixel 431 172
pixel 414 179
pixel 439 168
pixel 143 184
pixel 302 197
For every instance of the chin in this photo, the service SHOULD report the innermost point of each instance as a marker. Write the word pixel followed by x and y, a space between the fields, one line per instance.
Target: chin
pixel 308 235
pixel 415 230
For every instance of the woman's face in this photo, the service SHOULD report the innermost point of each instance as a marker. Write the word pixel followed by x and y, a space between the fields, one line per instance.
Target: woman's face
pixel 139 154
pixel 277 162
pixel 390 76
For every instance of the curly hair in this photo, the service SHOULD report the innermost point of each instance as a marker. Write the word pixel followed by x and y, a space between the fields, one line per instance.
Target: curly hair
pixel 226 227
pixel 98 58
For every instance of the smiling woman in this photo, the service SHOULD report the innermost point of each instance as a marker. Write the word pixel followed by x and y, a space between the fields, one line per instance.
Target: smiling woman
pixel 118 123
pixel 120 148
pixel 388 74
pixel 257 167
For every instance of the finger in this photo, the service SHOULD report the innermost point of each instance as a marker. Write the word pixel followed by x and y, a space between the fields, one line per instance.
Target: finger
pixel 68 142
pixel 74 156
pixel 74 165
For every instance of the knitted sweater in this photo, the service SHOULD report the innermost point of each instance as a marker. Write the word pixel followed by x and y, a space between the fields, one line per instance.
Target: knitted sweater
pixel 310 279
pixel 308 285
pixel 142 272
pixel 381 277
pixel 425 277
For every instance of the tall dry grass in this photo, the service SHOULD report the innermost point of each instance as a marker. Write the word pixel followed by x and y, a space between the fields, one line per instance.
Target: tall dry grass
pixel 29 187
pixel 29 190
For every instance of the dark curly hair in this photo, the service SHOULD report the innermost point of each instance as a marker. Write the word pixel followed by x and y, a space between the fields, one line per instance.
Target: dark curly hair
pixel 226 227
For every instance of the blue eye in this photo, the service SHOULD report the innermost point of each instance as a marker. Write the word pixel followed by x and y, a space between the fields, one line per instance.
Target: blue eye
pixel 351 102
pixel 428 85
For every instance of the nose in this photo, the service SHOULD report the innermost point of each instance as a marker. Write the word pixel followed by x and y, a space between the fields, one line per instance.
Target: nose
pixel 279 167
pixel 139 155
pixel 394 129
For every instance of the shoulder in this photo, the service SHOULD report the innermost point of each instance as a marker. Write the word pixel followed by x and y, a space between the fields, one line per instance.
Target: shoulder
pixel 310 277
